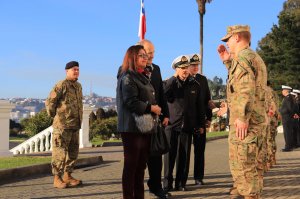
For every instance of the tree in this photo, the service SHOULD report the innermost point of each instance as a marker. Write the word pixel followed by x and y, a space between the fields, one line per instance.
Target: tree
pixel 37 123
pixel 201 10
pixel 280 47
pixel 92 117
pixel 111 113
pixel 217 88
pixel 100 113
pixel 14 128
pixel 104 128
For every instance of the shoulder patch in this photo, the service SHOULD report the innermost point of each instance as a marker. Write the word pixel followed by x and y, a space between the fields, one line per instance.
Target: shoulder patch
pixel 240 71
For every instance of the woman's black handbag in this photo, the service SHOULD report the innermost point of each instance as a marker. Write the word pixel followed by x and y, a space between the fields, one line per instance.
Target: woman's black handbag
pixel 159 142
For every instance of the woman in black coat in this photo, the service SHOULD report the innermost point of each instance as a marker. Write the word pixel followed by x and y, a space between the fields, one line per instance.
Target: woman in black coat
pixel 135 97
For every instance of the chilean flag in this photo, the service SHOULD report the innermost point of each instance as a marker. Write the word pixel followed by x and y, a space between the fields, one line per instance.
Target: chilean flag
pixel 142 26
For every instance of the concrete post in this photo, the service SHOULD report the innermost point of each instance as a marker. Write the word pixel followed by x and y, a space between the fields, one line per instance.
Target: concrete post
pixel 5 109
pixel 85 128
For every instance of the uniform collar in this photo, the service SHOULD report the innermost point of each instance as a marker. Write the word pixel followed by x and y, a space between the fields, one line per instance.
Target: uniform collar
pixel 240 49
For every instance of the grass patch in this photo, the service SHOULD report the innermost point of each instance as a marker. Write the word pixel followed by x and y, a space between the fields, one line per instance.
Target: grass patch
pixel 217 133
pixel 17 139
pixel 14 162
pixel 98 141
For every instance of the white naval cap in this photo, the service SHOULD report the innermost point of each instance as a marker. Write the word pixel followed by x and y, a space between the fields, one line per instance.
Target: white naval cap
pixel 286 87
pixel 180 62
pixel 296 91
pixel 194 58
pixel 292 93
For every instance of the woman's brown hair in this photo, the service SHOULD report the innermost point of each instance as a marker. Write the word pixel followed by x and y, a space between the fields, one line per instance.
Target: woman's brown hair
pixel 130 58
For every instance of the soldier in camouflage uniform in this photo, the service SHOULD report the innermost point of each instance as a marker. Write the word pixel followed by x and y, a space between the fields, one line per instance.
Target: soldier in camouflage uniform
pixel 64 104
pixel 247 79
pixel 297 138
pixel 272 102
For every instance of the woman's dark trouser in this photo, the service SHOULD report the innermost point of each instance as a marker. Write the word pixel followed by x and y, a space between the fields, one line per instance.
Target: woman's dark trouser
pixel 136 152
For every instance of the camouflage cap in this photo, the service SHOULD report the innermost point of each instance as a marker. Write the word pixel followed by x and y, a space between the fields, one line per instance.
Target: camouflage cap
pixel 180 62
pixel 235 29
pixel 194 59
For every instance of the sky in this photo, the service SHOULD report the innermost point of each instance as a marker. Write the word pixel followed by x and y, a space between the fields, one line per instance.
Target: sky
pixel 38 37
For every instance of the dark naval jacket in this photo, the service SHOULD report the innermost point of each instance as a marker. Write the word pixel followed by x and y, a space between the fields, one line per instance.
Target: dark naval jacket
pixel 287 110
pixel 187 113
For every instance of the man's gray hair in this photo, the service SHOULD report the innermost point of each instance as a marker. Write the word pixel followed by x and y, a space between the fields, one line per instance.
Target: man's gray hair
pixel 142 43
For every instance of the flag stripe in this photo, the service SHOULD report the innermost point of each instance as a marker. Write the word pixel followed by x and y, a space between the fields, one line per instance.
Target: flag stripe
pixel 142 24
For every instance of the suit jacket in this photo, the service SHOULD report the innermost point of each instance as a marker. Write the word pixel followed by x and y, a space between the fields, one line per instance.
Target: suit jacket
pixel 157 83
pixel 205 97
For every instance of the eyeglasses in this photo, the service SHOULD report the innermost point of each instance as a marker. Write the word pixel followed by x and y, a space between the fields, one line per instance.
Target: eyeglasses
pixel 144 56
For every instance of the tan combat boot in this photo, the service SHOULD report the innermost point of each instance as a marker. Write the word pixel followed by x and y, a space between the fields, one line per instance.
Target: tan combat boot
pixel 274 161
pixel 233 191
pixel 58 183
pixel 70 180
pixel 234 194
pixel 269 166
pixel 266 168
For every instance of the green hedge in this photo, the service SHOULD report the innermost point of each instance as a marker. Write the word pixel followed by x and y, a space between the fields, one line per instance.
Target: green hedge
pixel 104 128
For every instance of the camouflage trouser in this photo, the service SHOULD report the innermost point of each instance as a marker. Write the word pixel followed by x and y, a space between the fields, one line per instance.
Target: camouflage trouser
pixel 272 143
pixel 243 161
pixel 65 147
pixel 262 153
pixel 263 150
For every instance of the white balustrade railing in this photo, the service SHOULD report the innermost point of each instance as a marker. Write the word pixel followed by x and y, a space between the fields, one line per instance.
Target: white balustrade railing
pixel 41 142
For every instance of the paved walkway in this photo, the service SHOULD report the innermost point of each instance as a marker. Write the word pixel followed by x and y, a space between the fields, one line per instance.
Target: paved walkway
pixel 104 181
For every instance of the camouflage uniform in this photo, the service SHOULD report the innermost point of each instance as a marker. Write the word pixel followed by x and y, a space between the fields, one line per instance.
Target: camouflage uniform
pixel 271 100
pixel 65 105
pixel 247 79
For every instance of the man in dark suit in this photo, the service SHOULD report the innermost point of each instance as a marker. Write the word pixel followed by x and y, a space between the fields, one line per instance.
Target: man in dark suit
pixel 200 139
pixel 287 113
pixel 155 161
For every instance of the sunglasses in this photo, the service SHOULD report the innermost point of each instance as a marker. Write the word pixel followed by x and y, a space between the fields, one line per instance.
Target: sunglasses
pixel 144 56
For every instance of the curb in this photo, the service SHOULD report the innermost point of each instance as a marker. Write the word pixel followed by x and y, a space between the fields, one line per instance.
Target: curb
pixel 217 137
pixel 10 175
pixel 107 144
